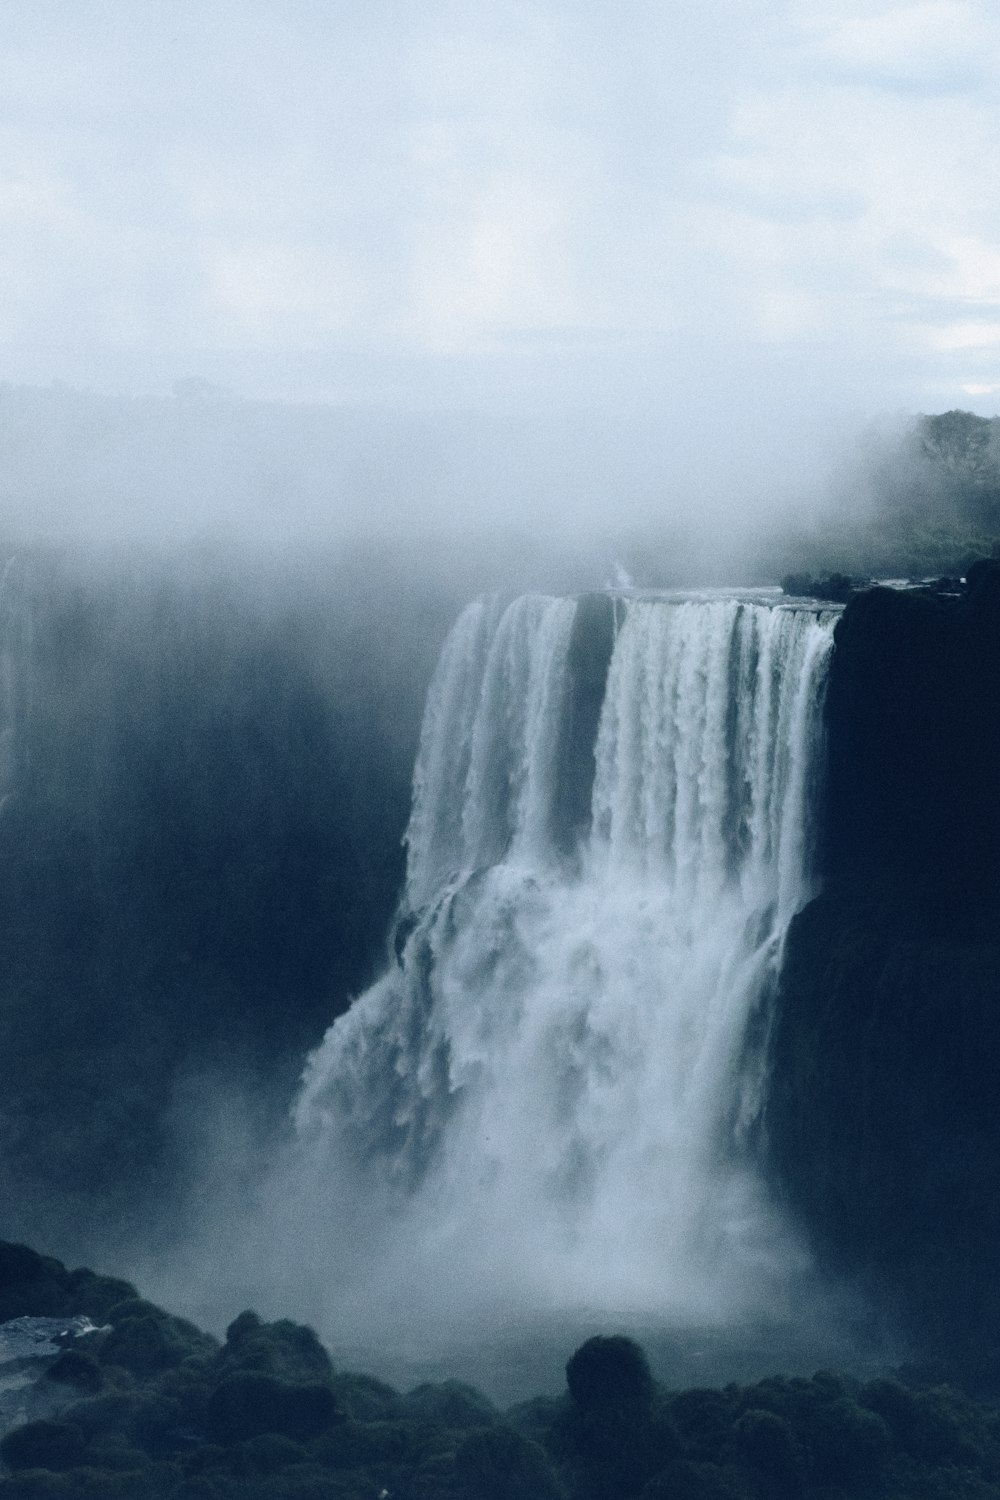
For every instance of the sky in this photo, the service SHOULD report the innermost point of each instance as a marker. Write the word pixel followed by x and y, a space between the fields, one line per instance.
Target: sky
pixel 504 204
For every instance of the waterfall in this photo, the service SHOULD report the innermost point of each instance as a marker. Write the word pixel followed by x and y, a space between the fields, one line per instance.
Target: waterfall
pixel 554 1085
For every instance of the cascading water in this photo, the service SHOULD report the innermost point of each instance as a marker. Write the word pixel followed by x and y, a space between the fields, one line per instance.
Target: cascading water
pixel 551 1092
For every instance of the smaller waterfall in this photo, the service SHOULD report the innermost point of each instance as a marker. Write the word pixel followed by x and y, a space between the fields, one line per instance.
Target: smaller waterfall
pixel 484 783
pixel 551 1092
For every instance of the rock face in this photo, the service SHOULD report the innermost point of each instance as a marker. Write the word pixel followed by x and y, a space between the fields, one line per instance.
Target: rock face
pixel 204 777
pixel 914 729
pixel 882 1119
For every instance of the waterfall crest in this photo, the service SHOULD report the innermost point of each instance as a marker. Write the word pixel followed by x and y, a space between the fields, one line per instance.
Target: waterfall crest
pixel 556 1081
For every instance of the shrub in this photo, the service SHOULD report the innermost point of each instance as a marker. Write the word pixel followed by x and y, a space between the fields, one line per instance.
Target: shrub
pixel 248 1404
pixel 703 1421
pixel 684 1480
pixel 288 1350
pixel 269 1454
pixel 450 1404
pixel 847 1442
pixel 96 1295
pixel 935 1426
pixel 765 1442
pixel 367 1399
pixel 148 1344
pixel 609 1371
pixel 499 1464
pixel 31 1285
pixel 76 1368
pixel 42 1445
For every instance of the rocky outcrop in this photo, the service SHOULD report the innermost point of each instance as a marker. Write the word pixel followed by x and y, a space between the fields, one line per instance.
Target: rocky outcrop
pixel 883 1125
pixel 913 712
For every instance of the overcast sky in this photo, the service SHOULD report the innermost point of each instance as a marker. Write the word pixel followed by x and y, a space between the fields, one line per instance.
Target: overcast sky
pixel 490 202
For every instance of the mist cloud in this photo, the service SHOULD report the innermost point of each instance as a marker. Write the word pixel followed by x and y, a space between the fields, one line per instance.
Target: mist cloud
pixel 505 205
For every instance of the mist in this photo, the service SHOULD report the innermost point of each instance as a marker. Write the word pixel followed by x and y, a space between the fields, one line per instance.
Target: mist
pixel 206 470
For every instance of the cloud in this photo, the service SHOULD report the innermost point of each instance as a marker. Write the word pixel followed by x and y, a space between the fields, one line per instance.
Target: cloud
pixel 966 336
pixel 558 203
pixel 931 45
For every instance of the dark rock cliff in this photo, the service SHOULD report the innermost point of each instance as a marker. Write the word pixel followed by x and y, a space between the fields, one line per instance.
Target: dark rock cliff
pixel 204 778
pixel 883 1119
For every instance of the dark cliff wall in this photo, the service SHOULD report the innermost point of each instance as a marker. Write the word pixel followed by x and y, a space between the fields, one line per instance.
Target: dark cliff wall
pixel 884 1109
pixel 205 776
pixel 914 751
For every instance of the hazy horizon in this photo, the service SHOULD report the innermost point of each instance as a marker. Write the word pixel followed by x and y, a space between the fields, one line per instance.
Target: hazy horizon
pixel 549 262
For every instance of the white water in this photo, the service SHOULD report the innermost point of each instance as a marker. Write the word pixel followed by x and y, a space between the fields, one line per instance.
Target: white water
pixel 550 1098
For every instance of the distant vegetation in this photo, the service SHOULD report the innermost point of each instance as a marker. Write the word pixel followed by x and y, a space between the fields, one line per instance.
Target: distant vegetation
pixel 923 502
pixel 916 499
pixel 150 1408
pixel 836 587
